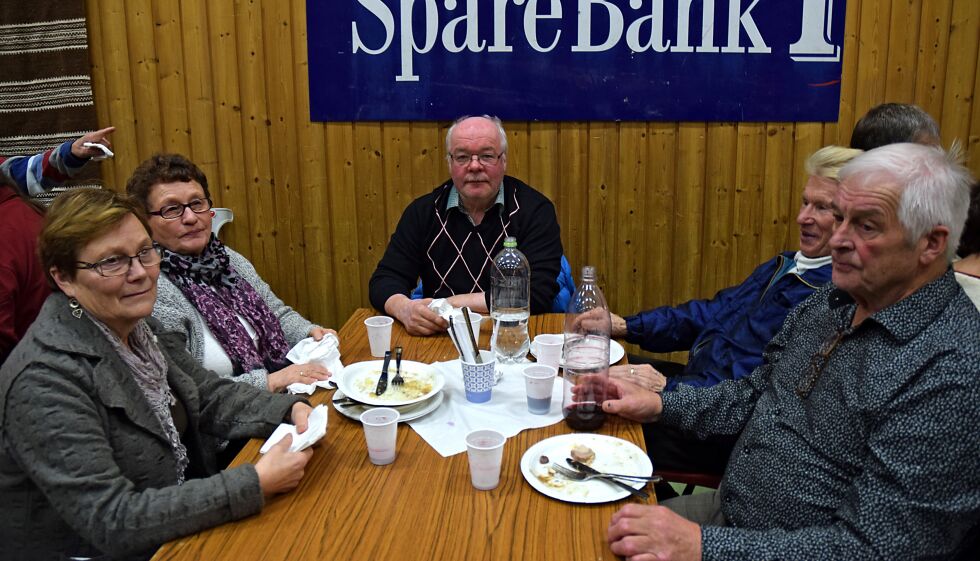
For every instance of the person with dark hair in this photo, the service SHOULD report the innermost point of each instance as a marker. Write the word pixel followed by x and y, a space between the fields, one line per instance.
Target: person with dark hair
pixel 891 123
pixel 23 288
pixel 106 421
pixel 235 325
pixel 968 266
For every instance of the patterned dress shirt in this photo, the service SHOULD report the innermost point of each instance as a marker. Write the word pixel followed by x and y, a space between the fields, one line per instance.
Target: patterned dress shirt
pixel 858 442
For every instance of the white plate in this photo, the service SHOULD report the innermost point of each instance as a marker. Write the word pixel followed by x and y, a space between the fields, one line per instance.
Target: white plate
pixel 616 352
pixel 365 375
pixel 611 455
pixel 406 412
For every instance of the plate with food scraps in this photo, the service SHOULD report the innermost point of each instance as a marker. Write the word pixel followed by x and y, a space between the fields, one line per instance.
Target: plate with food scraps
pixel 604 453
pixel 616 353
pixel 353 410
pixel 360 379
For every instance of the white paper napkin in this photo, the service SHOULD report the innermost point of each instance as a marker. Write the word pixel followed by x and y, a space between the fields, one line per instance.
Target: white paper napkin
pixel 316 429
pixel 325 352
pixel 445 429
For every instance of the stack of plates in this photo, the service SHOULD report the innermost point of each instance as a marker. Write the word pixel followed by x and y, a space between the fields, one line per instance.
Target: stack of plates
pixel 361 378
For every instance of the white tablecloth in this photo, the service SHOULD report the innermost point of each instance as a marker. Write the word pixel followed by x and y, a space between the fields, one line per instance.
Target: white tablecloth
pixel 445 429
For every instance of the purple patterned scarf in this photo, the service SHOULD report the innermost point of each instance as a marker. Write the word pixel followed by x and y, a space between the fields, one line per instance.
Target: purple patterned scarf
pixel 219 293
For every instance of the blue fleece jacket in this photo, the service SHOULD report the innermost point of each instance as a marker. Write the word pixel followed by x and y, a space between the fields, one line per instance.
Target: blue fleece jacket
pixel 726 334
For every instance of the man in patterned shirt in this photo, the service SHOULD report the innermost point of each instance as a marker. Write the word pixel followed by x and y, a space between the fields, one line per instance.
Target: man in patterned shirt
pixel 449 237
pixel 859 431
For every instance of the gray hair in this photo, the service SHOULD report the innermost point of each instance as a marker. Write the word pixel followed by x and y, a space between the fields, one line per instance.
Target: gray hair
pixel 892 123
pixel 491 118
pixel 935 187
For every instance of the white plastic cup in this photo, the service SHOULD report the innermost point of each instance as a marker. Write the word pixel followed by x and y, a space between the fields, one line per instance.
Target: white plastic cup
pixel 485 449
pixel 379 334
pixel 539 380
pixel 459 321
pixel 547 349
pixel 380 432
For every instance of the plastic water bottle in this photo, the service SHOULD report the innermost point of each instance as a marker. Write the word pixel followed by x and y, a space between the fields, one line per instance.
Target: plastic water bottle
pixel 586 355
pixel 510 304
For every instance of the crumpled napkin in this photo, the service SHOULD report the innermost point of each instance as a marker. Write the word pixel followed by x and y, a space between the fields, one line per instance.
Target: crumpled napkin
pixel 460 338
pixel 316 429
pixel 325 352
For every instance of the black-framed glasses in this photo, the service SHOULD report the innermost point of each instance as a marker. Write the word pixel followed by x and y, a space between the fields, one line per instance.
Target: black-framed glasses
pixel 817 363
pixel 172 212
pixel 485 159
pixel 118 265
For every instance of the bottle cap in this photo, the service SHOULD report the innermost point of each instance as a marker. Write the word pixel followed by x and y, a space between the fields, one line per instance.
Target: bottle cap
pixel 588 273
pixel 510 241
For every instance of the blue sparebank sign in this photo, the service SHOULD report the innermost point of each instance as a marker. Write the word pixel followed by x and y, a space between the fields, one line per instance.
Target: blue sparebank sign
pixel 583 60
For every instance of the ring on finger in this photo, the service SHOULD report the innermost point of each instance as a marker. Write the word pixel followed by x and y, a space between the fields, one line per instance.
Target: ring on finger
pixel 632 371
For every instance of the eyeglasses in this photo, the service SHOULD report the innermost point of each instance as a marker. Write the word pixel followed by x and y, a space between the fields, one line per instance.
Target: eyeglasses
pixel 485 159
pixel 172 212
pixel 118 265
pixel 817 363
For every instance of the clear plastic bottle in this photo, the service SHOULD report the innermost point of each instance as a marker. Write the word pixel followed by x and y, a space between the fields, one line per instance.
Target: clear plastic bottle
pixel 586 355
pixel 510 304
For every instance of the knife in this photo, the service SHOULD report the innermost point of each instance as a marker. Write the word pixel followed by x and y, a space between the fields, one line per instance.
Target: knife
pixel 586 469
pixel 383 380
pixel 589 469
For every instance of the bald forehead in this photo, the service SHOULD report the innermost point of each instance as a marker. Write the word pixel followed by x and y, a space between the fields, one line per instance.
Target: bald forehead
pixel 476 132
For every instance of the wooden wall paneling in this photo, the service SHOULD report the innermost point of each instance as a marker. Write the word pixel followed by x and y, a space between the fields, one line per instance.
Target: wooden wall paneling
pixel 281 85
pixel 872 70
pixel 429 164
pixel 169 41
pixel 372 235
pixel 572 202
pixel 688 211
pixel 749 179
pixel 399 192
pixel 119 88
pixel 964 41
pixel 933 48
pixel 840 132
pixel 777 190
pixel 903 44
pixel 625 272
pixel 311 154
pixel 657 213
pixel 144 75
pixel 197 83
pixel 230 187
pixel 264 214
pixel 96 55
pixel 972 144
pixel 719 185
pixel 603 174
pixel 543 159
pixel 519 150
pixel 344 220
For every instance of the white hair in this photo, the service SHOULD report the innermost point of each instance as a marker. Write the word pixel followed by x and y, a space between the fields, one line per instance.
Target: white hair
pixel 934 186
pixel 491 118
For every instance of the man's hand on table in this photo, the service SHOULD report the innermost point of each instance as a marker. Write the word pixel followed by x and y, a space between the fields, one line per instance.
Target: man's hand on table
pixel 643 375
pixel 279 469
pixel 632 401
pixel 653 533
pixel 415 315
pixel 618 330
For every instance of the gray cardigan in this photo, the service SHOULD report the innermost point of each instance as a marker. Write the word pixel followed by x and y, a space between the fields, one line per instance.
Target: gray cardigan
pixel 176 313
pixel 85 463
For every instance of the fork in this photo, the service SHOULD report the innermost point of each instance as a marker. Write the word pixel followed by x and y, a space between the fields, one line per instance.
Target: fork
pixel 579 476
pixel 398 380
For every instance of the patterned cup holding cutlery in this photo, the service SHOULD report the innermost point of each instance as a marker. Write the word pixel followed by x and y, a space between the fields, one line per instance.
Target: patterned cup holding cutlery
pixel 478 379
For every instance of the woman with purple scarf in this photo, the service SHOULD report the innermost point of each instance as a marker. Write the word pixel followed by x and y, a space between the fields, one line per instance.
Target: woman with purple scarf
pixel 235 325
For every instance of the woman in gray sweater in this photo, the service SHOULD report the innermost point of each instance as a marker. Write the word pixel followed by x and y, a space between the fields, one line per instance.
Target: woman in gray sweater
pixel 235 325
pixel 106 419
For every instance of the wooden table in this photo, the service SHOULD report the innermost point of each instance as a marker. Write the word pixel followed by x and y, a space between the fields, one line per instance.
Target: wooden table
pixel 420 507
